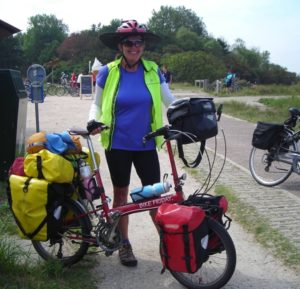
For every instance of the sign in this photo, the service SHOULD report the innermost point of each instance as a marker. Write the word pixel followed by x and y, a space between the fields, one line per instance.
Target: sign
pixel 36 75
pixel 86 85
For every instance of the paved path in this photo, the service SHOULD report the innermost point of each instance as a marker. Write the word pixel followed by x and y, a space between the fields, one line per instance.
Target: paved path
pixel 256 268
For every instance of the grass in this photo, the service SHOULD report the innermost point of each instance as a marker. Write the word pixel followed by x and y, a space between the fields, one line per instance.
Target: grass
pixel 184 86
pixel 267 90
pixel 275 110
pixel 249 90
pixel 272 89
pixel 19 270
pixel 270 238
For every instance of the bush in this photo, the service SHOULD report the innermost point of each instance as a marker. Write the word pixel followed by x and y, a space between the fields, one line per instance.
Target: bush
pixel 188 66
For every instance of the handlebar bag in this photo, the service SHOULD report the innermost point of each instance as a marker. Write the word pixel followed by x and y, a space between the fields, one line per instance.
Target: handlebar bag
pixel 183 237
pixel 32 202
pixel 194 116
pixel 50 166
pixel 266 135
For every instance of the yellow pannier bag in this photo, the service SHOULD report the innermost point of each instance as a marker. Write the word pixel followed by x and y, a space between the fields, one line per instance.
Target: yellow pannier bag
pixel 47 165
pixel 33 203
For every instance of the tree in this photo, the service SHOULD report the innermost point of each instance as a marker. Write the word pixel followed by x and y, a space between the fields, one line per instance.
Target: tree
pixel 213 46
pixel 78 46
pixel 188 40
pixel 168 20
pixel 44 35
pixel 11 54
pixel 188 66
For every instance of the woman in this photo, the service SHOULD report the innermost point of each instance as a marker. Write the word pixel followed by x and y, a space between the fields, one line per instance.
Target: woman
pixel 128 97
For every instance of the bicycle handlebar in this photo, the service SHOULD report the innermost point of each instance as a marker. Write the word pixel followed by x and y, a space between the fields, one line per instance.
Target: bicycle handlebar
pixel 166 131
pixel 161 131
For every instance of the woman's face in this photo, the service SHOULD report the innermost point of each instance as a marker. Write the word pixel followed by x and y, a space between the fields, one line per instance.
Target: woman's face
pixel 132 48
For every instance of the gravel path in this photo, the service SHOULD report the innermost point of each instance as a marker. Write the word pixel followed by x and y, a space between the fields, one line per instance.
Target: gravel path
pixel 256 268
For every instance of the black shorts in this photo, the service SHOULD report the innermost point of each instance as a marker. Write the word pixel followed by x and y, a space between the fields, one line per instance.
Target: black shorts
pixel 229 83
pixel 146 164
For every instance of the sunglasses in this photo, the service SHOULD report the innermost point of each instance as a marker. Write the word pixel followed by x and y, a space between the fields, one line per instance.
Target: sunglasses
pixel 135 43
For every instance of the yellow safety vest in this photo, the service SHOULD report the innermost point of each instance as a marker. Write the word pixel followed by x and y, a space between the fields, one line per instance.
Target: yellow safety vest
pixel 109 99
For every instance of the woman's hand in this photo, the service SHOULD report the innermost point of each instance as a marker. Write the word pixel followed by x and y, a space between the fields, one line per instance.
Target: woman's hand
pixel 95 127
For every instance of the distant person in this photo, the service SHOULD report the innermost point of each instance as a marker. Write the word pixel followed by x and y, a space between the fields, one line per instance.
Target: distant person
pixel 229 81
pixel 79 79
pixel 73 79
pixel 167 75
pixel 64 79
pixel 95 69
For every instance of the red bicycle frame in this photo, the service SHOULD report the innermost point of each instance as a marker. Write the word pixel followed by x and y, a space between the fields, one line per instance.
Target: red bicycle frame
pixel 140 206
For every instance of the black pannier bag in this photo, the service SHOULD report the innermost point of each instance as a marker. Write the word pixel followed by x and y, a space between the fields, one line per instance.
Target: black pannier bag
pixel 196 117
pixel 266 135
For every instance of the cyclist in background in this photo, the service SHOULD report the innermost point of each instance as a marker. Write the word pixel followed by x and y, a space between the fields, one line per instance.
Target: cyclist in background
pixel 64 79
pixel 229 81
pixel 128 98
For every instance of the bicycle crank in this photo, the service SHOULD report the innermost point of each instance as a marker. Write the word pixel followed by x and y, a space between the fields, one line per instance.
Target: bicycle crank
pixel 107 234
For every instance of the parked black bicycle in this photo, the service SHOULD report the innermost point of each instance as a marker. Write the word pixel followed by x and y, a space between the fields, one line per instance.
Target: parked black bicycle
pixel 275 154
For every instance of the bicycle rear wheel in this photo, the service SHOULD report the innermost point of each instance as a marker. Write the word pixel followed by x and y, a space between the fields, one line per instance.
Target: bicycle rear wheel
pixel 272 167
pixel 70 245
pixel 219 267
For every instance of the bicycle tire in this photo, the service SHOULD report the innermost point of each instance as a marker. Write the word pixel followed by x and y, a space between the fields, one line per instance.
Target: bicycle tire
pixel 267 167
pixel 51 89
pixel 68 248
pixel 219 267
pixel 74 91
pixel 60 91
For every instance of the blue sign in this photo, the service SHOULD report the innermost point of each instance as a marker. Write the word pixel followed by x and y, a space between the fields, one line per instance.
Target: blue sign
pixel 36 74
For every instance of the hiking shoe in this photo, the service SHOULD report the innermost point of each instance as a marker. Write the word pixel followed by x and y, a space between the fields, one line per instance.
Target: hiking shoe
pixel 126 255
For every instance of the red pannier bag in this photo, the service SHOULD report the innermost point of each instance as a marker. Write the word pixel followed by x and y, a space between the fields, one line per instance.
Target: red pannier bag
pixel 183 237
pixel 17 167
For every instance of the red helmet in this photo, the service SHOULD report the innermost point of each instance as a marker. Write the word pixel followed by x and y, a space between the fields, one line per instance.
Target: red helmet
pixel 129 26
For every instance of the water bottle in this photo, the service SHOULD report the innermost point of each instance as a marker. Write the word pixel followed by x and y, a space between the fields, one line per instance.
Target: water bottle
pixel 88 181
pixel 150 191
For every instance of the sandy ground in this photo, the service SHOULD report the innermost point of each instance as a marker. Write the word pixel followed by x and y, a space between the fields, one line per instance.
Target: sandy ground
pixel 256 268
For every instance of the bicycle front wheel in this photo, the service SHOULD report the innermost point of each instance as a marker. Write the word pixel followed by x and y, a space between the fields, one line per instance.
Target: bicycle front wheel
pixel 272 167
pixel 70 244
pixel 219 267
pixel 51 89
pixel 60 91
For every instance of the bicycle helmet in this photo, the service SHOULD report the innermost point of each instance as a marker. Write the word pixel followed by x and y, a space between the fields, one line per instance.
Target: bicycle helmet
pixel 128 28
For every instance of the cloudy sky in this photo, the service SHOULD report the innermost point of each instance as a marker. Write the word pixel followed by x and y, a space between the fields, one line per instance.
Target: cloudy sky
pixel 267 25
